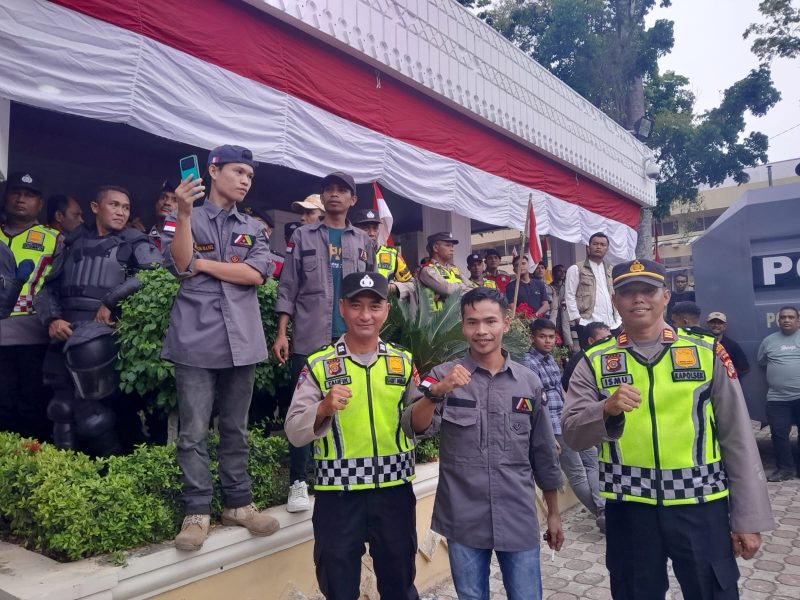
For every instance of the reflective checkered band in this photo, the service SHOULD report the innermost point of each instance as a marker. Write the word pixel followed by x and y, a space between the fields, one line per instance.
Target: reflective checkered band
pixel 361 471
pixel 676 484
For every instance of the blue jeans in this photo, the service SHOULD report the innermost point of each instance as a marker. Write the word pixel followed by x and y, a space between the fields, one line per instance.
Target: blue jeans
pixel 522 575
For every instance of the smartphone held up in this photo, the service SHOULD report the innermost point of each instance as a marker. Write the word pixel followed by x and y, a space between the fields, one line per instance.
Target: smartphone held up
pixel 189 166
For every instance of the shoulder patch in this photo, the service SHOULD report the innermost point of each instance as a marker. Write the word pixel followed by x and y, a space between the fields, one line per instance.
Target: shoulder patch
pixel 725 359
pixel 301 377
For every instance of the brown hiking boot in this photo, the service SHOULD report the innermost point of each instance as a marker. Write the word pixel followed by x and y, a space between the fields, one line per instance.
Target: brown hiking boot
pixel 194 532
pixel 256 522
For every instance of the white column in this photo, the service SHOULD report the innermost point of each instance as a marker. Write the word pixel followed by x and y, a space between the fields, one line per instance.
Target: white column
pixel 5 120
pixel 434 221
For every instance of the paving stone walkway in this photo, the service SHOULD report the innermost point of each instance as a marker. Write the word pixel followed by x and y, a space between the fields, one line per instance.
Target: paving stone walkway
pixel 578 570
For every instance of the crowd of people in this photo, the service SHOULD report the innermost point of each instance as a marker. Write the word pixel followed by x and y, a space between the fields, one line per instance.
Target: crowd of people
pixel 651 472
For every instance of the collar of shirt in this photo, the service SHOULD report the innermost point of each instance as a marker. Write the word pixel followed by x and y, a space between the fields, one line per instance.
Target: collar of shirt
pixel 213 211
pixel 508 365
pixel 668 337
pixel 320 223
pixel 343 350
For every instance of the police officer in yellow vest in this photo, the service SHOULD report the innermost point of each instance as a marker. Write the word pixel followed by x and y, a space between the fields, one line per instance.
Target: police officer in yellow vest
pixel 679 466
pixel 439 276
pixel 388 261
pixel 477 268
pixel 348 402
pixel 23 338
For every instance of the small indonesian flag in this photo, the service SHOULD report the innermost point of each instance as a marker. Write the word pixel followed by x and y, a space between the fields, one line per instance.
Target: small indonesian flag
pixel 169 226
pixel 387 220
pixel 428 382
pixel 289 247
pixel 533 240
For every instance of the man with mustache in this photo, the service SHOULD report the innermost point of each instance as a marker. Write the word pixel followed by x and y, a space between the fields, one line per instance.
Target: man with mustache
pixel 679 466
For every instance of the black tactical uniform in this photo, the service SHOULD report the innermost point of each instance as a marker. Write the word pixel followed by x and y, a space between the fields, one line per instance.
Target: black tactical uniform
pixel 90 271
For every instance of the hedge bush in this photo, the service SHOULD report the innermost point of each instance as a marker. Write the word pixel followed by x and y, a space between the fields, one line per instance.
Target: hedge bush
pixel 69 506
pixel 143 326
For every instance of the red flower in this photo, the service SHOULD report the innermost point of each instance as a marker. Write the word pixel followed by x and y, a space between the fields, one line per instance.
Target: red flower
pixel 32 446
pixel 525 311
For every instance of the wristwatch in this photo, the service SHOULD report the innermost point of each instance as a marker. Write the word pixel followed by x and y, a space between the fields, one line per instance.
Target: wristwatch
pixel 426 391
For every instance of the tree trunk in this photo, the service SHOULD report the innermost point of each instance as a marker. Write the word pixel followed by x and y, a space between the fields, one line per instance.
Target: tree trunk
pixel 635 111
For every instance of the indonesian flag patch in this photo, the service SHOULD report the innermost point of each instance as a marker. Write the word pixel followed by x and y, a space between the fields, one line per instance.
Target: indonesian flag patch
pixel 427 383
pixel 289 248
pixel 169 226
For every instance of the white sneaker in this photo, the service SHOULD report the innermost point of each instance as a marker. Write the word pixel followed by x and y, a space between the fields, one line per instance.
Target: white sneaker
pixel 298 497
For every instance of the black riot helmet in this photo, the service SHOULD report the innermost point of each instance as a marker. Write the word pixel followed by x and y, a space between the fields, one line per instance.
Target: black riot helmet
pixel 90 353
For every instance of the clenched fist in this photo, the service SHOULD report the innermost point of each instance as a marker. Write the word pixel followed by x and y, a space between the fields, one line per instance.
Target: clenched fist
pixel 456 378
pixel 336 399
pixel 625 399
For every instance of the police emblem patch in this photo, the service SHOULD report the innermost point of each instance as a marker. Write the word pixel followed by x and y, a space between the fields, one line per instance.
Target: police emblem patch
pixel 34 241
pixel 522 405
pixel 614 363
pixel 726 361
pixel 394 365
pixel 334 367
pixel 685 358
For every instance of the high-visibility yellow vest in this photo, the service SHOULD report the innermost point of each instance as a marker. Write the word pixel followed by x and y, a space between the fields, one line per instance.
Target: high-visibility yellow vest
pixel 487 283
pixel 37 243
pixel 450 274
pixel 668 453
pixel 391 265
pixel 366 447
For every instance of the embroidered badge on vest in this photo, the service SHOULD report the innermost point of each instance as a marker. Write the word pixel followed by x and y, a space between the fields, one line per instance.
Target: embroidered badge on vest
pixel 614 363
pixel 685 358
pixel 335 367
pixel 395 366
pixel 522 405
pixel 384 260
pixel 34 241
pixel 242 240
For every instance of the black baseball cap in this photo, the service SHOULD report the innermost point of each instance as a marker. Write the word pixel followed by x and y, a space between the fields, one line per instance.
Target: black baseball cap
pixel 222 155
pixel 365 215
pixel 442 236
pixel 169 185
pixel 492 252
pixel 24 180
pixel 473 258
pixel 289 228
pixel 340 177
pixel 355 283
pixel 644 271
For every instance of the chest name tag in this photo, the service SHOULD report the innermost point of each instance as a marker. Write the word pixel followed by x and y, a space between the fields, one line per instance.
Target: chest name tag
pixel 204 247
pixel 614 363
pixel 685 359
pixel 395 380
pixel 334 368
pixel 520 404
pixel 461 402
pixel 688 376
pixel 616 380
pixel 346 380
pixel 243 240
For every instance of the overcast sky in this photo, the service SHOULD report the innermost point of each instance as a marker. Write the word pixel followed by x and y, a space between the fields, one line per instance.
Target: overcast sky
pixel 710 51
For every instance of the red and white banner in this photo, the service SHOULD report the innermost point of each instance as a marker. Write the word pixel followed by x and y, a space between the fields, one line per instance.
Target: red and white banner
pixel 387 220
pixel 206 72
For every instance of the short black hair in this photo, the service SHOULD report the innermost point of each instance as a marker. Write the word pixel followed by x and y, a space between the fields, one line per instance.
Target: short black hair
pixel 681 275
pixel 104 189
pixel 796 312
pixel 593 328
pixel 55 203
pixel 518 258
pixel 686 308
pixel 599 234
pixel 540 324
pixel 479 294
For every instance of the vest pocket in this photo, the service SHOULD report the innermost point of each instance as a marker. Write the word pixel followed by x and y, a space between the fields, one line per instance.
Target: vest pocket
pixel 460 433
pixel 517 437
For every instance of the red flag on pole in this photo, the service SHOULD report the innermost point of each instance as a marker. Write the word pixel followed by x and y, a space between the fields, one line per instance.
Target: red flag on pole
pixel 656 254
pixel 533 238
pixel 379 205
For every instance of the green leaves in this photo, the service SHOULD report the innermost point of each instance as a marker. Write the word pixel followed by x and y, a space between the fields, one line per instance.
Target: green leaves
pixel 779 37
pixel 143 326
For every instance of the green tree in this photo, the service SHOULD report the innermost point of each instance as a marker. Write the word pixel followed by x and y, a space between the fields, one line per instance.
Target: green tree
pixel 604 50
pixel 780 35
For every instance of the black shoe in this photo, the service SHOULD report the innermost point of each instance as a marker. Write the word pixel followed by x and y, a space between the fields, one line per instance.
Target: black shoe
pixel 779 476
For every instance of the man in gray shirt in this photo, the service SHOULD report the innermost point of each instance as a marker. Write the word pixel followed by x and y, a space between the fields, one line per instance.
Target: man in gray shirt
pixel 495 439
pixel 215 338
pixel 779 354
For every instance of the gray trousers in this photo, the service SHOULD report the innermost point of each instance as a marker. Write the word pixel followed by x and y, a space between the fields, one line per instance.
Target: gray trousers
pixel 583 474
pixel 199 390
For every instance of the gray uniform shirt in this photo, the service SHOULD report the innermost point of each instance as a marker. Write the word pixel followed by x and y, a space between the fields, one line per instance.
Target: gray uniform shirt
pixel 305 291
pixel 302 413
pixel 584 426
pixel 215 324
pixel 495 439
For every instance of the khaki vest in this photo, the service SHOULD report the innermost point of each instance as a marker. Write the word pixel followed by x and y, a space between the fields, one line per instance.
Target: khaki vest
pixel 365 447
pixel 37 243
pixel 585 292
pixel 668 452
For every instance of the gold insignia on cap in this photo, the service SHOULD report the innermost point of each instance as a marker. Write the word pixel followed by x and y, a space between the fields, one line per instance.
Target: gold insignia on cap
pixel 636 267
